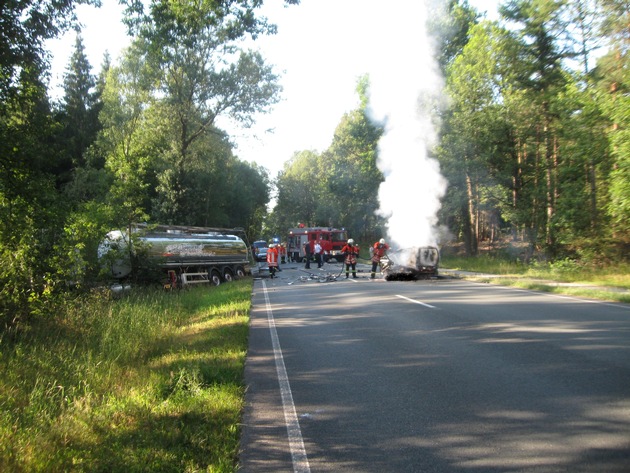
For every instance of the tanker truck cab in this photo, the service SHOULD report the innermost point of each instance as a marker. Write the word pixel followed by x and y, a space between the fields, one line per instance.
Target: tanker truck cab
pixel 183 255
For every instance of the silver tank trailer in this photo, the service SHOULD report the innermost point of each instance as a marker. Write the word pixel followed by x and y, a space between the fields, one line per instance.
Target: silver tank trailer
pixel 192 256
pixel 412 263
pixel 174 250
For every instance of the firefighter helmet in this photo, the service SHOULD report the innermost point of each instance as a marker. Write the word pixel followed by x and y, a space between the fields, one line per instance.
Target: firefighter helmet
pixel 350 241
pixel 382 241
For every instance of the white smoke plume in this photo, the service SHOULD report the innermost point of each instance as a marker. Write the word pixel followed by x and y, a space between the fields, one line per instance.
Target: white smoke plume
pixel 405 93
pixel 326 46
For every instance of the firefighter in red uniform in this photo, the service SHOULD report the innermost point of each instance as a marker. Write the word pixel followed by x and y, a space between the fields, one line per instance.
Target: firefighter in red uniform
pixel 282 251
pixel 351 252
pixel 272 260
pixel 378 251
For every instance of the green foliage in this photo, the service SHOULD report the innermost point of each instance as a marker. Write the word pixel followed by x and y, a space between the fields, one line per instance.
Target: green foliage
pixel 77 251
pixel 79 112
pixel 453 30
pixel 297 185
pixel 30 210
pixel 616 107
pixel 182 72
pixel 529 145
pixel 339 187
pixel 150 380
pixel 474 149
pixel 351 174
pixel 25 27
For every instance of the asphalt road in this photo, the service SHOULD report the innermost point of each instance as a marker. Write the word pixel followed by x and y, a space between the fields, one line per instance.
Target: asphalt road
pixel 432 376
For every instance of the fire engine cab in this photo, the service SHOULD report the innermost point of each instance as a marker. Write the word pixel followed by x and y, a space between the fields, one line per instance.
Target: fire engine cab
pixel 332 240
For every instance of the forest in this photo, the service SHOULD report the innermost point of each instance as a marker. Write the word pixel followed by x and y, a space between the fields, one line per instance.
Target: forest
pixel 534 142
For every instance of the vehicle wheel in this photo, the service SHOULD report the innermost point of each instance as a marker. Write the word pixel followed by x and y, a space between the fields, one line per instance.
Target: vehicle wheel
pixel 239 273
pixel 227 275
pixel 215 277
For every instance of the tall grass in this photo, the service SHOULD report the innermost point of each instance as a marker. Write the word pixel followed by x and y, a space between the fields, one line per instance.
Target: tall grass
pixel 612 279
pixel 483 264
pixel 148 382
pixel 567 270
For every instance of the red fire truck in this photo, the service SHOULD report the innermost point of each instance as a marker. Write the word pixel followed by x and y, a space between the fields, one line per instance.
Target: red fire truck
pixel 332 240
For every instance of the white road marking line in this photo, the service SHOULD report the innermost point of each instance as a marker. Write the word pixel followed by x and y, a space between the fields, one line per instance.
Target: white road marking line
pixel 296 442
pixel 415 302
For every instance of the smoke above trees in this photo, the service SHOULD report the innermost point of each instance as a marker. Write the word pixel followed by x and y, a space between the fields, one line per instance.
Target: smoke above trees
pixel 406 95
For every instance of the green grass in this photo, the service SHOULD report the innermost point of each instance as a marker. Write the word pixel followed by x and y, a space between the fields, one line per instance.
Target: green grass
pixel 605 282
pixel 152 381
pixel 483 264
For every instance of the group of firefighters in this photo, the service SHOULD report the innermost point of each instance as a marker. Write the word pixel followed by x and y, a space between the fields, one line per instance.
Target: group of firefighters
pixel 278 252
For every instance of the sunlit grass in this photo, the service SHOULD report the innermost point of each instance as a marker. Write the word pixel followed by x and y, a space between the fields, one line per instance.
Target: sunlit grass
pixel 483 264
pixel 150 382
pixel 614 279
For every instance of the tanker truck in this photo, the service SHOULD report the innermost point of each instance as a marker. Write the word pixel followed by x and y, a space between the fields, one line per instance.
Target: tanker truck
pixel 182 255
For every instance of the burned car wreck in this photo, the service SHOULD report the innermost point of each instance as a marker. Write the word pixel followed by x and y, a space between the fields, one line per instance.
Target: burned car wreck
pixel 411 264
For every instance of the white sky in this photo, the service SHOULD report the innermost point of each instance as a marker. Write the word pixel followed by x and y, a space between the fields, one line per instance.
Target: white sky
pixel 321 48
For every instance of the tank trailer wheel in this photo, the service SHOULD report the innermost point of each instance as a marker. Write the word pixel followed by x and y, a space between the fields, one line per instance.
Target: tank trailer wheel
pixel 227 275
pixel 240 272
pixel 215 277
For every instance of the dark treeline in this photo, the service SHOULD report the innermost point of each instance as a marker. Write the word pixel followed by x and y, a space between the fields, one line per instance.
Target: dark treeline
pixel 534 143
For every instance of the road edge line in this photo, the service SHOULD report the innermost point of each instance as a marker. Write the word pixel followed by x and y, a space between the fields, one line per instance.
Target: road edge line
pixel 296 442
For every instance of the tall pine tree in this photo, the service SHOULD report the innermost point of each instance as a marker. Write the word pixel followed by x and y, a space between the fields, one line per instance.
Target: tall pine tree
pixel 79 111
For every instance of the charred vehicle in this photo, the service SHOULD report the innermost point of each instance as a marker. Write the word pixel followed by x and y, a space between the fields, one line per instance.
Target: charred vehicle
pixel 411 264
pixel 183 255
